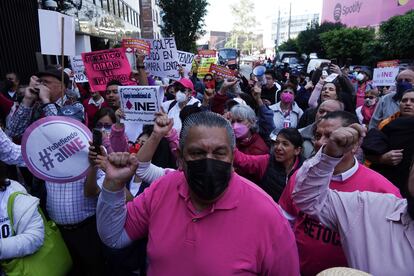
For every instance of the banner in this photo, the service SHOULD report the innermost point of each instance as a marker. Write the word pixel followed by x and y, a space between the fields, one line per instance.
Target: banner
pixel 56 149
pixel 207 53
pixel 162 60
pixel 50 28
pixel 204 66
pixel 388 63
pixel 221 71
pixel 385 76
pixel 140 103
pixel 78 69
pixel 103 66
pixel 137 44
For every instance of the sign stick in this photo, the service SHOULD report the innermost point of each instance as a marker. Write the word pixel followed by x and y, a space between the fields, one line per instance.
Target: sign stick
pixel 62 53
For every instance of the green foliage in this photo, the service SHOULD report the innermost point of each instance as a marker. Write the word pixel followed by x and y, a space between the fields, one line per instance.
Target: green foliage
pixel 183 19
pixel 397 36
pixel 242 36
pixel 290 45
pixel 309 40
pixel 346 42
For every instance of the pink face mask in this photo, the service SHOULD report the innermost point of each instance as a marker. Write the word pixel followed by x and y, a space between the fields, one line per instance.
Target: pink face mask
pixel 240 130
pixel 286 97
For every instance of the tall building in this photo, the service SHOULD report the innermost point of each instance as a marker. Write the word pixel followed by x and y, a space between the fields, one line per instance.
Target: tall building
pixel 287 27
pixel 151 15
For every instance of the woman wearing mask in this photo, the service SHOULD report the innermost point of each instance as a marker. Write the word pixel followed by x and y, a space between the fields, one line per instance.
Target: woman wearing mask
pixel 286 112
pixel 246 130
pixel 183 97
pixel 363 85
pixel 114 138
pixel 271 171
pixel 26 235
pixel 365 111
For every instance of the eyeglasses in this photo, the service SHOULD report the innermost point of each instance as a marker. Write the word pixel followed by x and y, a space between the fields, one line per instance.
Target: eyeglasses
pixel 102 125
pixel 369 97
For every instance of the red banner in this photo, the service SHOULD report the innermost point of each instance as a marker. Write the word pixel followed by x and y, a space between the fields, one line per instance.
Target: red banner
pixel 207 53
pixel 221 71
pixel 388 63
pixel 138 44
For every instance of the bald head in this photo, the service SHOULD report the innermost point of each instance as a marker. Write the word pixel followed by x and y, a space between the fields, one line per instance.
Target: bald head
pixel 406 75
pixel 327 107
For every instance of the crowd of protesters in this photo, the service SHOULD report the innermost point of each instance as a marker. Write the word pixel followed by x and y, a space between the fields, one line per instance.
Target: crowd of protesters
pixel 289 177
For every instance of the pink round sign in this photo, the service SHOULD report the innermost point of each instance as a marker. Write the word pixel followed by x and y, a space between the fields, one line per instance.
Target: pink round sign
pixel 55 149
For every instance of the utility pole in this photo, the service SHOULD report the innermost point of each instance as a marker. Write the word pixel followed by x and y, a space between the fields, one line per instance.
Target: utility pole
pixel 290 18
pixel 278 30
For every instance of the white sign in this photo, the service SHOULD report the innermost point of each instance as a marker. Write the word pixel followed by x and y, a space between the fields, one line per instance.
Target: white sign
pixel 78 69
pixel 140 103
pixel 55 149
pixel 331 77
pixel 162 60
pixel 50 26
pixel 385 76
pixel 185 60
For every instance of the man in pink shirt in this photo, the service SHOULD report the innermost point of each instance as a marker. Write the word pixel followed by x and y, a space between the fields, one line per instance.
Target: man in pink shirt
pixel 203 219
pixel 377 230
pixel 319 246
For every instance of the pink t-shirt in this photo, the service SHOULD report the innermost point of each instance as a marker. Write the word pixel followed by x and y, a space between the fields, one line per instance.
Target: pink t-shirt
pixel 243 233
pixel 320 247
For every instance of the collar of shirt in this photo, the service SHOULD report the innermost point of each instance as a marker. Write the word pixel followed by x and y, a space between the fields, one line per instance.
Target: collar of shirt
pixel 98 103
pixel 229 200
pixel 347 174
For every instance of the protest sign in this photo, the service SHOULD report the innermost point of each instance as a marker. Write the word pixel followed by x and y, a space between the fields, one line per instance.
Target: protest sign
pixel 204 66
pixel 162 60
pixel 140 103
pixel 56 149
pixel 207 53
pixel 385 76
pixel 331 77
pixel 221 71
pixel 78 69
pixel 388 63
pixel 50 29
pixel 185 60
pixel 106 65
pixel 137 44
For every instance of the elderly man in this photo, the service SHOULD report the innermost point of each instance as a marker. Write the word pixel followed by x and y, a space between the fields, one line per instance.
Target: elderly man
pixel 200 220
pixel 320 247
pixel 389 104
pixel 377 232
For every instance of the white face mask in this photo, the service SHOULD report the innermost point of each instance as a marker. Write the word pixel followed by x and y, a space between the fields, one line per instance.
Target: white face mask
pixel 360 77
pixel 180 97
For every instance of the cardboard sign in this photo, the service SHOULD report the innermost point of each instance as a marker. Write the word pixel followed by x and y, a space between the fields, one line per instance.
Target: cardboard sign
pixel 162 60
pixel 207 53
pixel 140 103
pixel 56 149
pixel 221 71
pixel 385 76
pixel 78 69
pixel 204 66
pixel 103 66
pixel 185 60
pixel 50 27
pixel 137 44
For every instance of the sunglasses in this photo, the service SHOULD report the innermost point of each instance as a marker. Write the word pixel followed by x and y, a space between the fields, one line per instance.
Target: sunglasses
pixel 369 97
pixel 101 125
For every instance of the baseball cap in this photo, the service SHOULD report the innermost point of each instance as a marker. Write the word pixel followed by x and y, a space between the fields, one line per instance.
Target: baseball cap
pixel 54 72
pixel 186 83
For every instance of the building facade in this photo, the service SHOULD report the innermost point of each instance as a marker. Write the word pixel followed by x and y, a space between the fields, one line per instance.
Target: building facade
pixel 150 19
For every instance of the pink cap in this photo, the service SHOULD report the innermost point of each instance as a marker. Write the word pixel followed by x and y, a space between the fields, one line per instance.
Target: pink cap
pixel 186 83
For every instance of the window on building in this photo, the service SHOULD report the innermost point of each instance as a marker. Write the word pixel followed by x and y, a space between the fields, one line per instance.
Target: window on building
pixel 110 6
pixel 101 3
pixel 105 5
pixel 137 20
pixel 115 5
pixel 123 10
pixel 119 8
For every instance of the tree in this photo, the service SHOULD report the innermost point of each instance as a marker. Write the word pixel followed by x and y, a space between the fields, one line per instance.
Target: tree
pixel 397 35
pixel 308 41
pixel 346 43
pixel 242 36
pixel 183 19
pixel 289 45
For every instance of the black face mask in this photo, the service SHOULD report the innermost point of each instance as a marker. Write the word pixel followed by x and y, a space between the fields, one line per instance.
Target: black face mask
pixel 208 178
pixel 8 85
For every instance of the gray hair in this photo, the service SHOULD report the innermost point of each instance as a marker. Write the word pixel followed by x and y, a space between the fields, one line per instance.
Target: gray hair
pixel 245 112
pixel 206 119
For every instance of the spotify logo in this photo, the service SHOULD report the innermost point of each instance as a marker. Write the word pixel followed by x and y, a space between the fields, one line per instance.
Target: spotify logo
pixel 337 12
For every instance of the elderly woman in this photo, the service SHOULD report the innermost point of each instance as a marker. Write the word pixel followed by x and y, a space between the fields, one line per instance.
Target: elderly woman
pixel 246 130
pixel 390 148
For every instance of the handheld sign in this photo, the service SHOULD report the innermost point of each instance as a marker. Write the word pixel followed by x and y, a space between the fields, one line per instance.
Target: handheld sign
pixel 162 60
pixel 385 76
pixel 137 44
pixel 56 149
pixel 207 53
pixel 103 66
pixel 204 66
pixel 78 69
pixel 221 71
pixel 140 103
pixel 185 60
